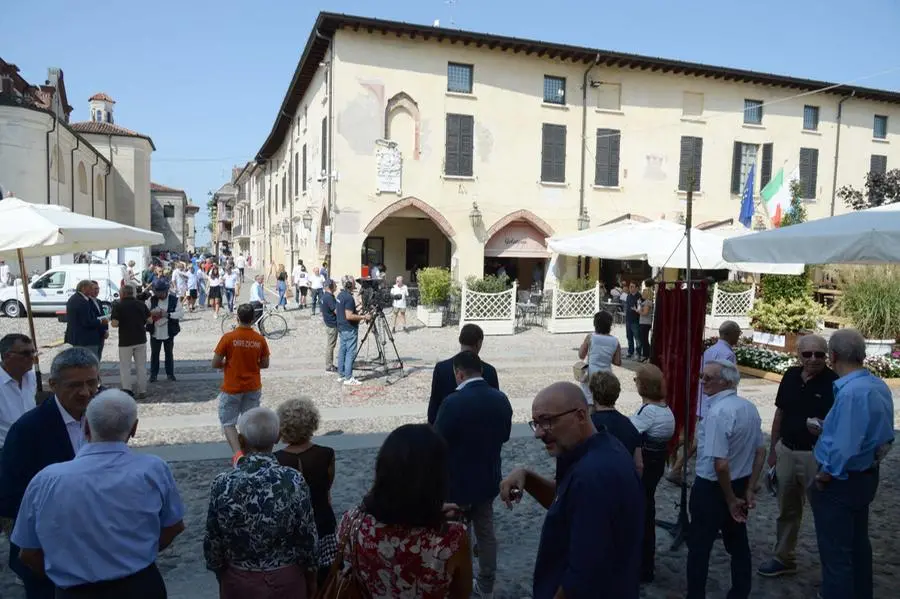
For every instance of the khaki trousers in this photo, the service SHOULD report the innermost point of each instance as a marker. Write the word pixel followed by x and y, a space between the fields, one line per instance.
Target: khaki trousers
pixel 331 336
pixel 139 354
pixel 795 471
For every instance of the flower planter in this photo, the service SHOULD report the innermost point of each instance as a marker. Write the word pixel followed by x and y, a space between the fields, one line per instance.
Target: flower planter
pixel 879 347
pixel 430 317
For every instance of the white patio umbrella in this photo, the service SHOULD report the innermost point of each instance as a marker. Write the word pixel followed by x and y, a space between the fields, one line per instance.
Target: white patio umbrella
pixel 36 230
pixel 862 237
pixel 661 244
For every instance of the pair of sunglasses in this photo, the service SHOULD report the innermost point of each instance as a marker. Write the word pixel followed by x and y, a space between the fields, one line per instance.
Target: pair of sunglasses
pixel 809 354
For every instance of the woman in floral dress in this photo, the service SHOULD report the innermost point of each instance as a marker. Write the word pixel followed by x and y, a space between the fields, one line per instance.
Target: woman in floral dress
pixel 404 547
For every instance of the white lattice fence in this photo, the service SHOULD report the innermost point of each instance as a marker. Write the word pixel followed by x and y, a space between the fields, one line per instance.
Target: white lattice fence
pixel 495 313
pixel 732 306
pixel 573 312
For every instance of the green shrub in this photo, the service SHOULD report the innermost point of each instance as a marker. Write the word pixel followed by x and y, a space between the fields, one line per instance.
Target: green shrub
pixel 576 285
pixel 434 286
pixel 781 316
pixel 733 286
pixel 785 287
pixel 489 284
pixel 871 300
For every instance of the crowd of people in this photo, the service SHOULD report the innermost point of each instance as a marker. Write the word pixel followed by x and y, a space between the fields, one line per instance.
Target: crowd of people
pixel 425 527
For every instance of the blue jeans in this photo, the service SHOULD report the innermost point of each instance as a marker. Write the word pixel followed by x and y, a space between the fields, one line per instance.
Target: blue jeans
pixel 346 352
pixel 841 513
pixel 316 298
pixel 229 298
pixel 633 334
pixel 281 287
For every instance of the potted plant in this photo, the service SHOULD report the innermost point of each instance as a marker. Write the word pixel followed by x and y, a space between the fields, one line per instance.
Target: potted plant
pixel 871 301
pixel 434 289
pixel 778 323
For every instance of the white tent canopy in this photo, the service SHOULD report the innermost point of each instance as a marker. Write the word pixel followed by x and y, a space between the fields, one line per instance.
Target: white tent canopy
pixel 863 237
pixel 48 230
pixel 661 244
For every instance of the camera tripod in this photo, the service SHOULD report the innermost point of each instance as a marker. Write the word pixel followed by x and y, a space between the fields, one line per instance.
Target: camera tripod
pixel 380 331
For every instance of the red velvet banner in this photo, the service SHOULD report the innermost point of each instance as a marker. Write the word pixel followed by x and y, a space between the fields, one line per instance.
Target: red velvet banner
pixel 670 349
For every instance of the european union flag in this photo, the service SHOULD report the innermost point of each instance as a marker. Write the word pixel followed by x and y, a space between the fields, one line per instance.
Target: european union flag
pixel 746 217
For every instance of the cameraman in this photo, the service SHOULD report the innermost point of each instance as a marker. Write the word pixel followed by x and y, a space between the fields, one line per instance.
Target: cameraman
pixel 348 329
pixel 399 293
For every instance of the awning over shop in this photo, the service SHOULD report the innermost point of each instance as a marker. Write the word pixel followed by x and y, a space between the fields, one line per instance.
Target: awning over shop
pixel 517 240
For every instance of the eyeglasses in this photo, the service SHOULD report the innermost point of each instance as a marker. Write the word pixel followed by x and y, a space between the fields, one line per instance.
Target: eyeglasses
pixel 547 422
pixel 809 354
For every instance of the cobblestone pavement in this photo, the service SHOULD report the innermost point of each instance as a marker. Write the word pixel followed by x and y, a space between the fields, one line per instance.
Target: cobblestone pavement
pixel 185 412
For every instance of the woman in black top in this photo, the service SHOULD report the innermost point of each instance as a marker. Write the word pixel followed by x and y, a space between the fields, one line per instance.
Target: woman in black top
pixel 605 389
pixel 299 419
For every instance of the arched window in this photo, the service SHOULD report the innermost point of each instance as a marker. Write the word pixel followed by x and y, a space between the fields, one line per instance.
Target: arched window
pixel 98 189
pixel 82 178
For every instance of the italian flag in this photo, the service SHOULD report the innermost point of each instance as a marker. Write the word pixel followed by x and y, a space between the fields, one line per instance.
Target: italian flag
pixel 776 195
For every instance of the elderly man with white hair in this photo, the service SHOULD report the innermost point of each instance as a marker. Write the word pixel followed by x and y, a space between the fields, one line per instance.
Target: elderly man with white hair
pixel 855 437
pixel 730 456
pixel 95 525
pixel 260 528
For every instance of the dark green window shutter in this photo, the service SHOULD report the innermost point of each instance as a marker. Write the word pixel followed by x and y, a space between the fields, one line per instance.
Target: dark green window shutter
pixel 553 154
pixel 765 171
pixel 691 157
pixel 606 171
pixel 303 167
pixel 809 170
pixel 466 144
pixel 878 164
pixel 459 148
pixel 325 146
pixel 736 168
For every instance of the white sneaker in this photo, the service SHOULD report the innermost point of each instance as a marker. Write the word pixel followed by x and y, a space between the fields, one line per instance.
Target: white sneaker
pixel 352 382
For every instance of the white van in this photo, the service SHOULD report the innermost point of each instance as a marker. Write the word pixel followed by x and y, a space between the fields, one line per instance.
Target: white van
pixel 50 291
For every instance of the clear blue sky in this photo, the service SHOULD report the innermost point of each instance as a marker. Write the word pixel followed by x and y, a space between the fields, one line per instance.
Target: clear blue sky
pixel 205 78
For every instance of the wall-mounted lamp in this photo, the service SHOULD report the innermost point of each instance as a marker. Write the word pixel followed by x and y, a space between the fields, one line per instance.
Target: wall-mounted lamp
pixel 584 221
pixel 475 216
pixel 307 219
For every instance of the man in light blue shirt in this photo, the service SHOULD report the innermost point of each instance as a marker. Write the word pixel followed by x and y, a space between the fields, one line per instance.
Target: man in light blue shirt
pixel 856 434
pixel 96 523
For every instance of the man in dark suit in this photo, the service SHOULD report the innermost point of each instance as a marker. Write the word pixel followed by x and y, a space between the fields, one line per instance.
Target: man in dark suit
pixel 443 380
pixel 86 325
pixel 49 434
pixel 476 421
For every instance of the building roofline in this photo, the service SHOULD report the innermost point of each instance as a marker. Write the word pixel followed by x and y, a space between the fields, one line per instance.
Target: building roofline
pixel 6 100
pixel 119 132
pixel 327 24
pixel 160 188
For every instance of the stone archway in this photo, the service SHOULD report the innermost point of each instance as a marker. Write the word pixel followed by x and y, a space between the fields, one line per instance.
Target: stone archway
pixel 521 215
pixel 442 223
pixel 403 102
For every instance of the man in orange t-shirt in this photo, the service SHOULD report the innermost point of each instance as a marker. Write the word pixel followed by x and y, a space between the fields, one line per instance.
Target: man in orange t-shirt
pixel 241 353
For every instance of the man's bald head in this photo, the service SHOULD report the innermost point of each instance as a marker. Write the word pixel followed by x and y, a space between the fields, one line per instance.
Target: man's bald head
pixel 560 417
pixel 812 351
pixel 812 343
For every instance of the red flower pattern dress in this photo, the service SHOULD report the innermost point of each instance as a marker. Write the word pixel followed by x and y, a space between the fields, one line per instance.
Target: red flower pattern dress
pixel 403 563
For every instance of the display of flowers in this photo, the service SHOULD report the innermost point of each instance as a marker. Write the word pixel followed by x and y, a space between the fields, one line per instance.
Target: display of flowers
pixel 764 359
pixel 886 366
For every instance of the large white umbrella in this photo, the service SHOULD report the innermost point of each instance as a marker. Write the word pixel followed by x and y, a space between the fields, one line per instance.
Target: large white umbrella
pixel 36 230
pixel 661 244
pixel 862 237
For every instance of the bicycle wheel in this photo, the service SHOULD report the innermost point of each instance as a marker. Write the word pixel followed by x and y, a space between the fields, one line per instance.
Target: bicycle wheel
pixel 273 326
pixel 229 322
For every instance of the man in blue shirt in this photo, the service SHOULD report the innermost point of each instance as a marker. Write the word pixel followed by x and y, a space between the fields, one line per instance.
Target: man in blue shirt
pixel 476 421
pixel 329 317
pixel 348 330
pixel 95 524
pixel 591 540
pixel 856 435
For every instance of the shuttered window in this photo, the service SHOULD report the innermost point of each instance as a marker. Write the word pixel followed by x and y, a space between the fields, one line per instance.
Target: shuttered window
pixel 743 158
pixel 811 118
pixel 283 192
pixel 459 145
pixel 809 172
pixel 553 154
pixel 324 146
pixel 765 171
pixel 691 159
pixel 303 168
pixel 606 171
pixel 878 164
pixel 296 172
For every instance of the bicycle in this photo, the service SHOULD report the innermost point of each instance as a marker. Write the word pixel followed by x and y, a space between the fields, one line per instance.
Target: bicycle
pixel 269 324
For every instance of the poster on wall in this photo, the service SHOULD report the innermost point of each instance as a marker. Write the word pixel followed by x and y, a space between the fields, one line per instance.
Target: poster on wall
pixel 389 166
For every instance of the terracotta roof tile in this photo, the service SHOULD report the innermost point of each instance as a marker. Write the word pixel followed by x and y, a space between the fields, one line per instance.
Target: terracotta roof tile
pixel 164 188
pixel 102 97
pixel 108 129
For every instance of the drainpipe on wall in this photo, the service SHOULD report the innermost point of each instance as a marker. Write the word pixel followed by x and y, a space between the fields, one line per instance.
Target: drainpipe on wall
pixel 49 151
pixel 93 166
pixel 837 148
pixel 72 161
pixel 584 90
pixel 106 181
pixel 329 198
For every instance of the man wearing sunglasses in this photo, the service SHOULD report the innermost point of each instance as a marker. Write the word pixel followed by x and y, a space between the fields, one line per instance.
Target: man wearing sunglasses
pixel 593 533
pixel 18 384
pixel 805 393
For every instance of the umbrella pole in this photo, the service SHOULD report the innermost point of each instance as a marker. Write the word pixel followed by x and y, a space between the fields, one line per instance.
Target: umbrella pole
pixel 37 361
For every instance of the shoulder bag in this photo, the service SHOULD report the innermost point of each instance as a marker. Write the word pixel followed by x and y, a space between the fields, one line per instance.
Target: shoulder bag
pixel 344 583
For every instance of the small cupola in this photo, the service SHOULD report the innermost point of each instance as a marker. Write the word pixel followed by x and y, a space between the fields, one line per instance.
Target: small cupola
pixel 102 108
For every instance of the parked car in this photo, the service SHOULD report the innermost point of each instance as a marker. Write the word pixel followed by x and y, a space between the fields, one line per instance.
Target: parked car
pixel 50 291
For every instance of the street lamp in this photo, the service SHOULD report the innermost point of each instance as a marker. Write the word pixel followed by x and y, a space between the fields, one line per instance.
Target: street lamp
pixel 475 216
pixel 307 219
pixel 285 227
pixel 584 221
